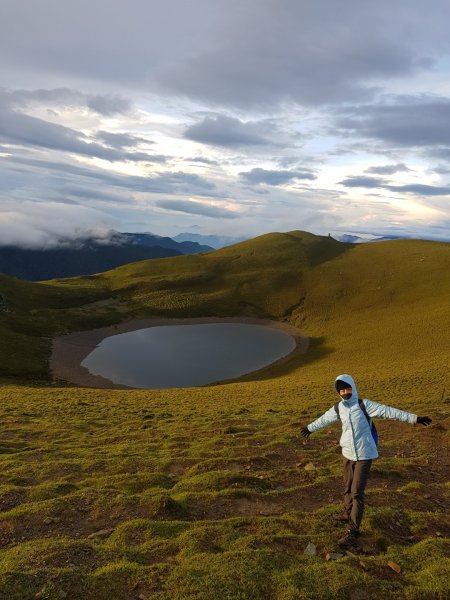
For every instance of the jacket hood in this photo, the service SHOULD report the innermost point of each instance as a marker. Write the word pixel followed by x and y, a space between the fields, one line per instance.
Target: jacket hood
pixel 348 379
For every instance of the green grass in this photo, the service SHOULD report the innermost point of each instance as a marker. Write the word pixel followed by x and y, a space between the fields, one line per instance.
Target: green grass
pixel 205 489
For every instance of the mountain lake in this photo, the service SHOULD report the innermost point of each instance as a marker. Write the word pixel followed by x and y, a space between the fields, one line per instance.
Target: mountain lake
pixel 177 356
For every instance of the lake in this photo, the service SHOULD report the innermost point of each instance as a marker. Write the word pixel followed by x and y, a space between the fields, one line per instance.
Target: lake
pixel 177 356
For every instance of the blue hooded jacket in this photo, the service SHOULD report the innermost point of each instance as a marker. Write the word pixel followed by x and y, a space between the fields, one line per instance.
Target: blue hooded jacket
pixel 356 440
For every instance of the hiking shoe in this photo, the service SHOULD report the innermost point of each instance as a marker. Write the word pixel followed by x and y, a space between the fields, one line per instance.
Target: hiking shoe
pixel 349 539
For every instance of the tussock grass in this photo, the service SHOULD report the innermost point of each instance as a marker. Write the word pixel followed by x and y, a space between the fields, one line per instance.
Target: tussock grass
pixel 203 491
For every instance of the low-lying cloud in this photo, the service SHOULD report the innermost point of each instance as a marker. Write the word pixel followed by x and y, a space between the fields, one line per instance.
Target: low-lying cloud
pixel 49 224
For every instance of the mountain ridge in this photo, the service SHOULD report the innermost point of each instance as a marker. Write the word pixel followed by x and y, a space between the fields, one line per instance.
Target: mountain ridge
pixel 90 255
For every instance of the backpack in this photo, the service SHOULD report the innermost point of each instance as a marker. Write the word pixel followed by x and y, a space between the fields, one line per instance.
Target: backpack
pixel 373 429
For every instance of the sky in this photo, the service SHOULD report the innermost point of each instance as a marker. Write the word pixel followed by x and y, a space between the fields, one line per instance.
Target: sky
pixel 227 117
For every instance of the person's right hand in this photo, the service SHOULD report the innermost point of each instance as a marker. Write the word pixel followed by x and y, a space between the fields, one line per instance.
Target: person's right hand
pixel 424 420
pixel 305 432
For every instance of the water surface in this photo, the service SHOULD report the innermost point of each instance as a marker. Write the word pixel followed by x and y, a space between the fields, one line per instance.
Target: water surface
pixel 187 355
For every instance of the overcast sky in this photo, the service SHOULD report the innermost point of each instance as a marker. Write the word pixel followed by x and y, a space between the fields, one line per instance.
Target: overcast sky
pixel 234 117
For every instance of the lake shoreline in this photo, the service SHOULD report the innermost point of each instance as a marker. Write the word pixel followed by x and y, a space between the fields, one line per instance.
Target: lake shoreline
pixel 68 351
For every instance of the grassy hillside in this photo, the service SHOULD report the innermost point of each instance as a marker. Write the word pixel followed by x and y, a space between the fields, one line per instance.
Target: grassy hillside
pixel 202 493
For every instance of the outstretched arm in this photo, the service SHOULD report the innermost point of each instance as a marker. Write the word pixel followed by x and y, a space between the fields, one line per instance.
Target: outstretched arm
pixel 388 412
pixel 328 418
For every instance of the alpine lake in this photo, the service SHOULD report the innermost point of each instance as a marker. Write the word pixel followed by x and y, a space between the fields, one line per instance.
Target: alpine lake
pixel 178 356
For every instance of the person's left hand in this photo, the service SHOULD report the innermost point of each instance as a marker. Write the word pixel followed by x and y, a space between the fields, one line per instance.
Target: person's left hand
pixel 424 420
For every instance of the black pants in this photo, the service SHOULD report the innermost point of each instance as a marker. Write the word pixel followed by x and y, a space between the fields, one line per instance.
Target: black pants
pixel 356 474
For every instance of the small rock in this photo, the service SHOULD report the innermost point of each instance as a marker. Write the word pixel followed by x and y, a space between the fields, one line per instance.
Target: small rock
pixel 439 534
pixel 333 555
pixel 394 566
pixel 310 467
pixel 48 520
pixel 38 596
pixel 363 565
pixel 427 496
pixel 310 549
pixel 103 533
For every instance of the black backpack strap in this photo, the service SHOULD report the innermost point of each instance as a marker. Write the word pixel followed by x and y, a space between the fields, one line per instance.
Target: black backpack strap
pixel 362 406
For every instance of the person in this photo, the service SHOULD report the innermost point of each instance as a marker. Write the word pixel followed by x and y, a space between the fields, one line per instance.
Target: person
pixel 359 446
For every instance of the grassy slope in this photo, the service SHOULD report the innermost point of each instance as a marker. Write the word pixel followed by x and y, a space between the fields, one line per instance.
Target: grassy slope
pixel 205 488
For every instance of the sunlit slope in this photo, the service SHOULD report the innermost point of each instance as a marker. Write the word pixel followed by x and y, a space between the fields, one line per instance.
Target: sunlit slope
pixel 264 277
pixel 382 308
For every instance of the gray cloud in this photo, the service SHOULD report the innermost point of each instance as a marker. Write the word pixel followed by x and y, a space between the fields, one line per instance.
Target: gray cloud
pixel 144 157
pixel 251 53
pixel 121 140
pixel 23 129
pixel 420 189
pixel 311 54
pixel 18 128
pixel 88 193
pixel 258 175
pixel 388 169
pixel 412 188
pixel 405 122
pixel 361 181
pixel 439 153
pixel 177 182
pixel 197 208
pixel 226 131
pixel 169 182
pixel 106 104
pixel 201 159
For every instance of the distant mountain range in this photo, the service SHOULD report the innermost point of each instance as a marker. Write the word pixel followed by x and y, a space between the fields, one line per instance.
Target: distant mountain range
pixel 216 241
pixel 221 241
pixel 356 239
pixel 90 255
